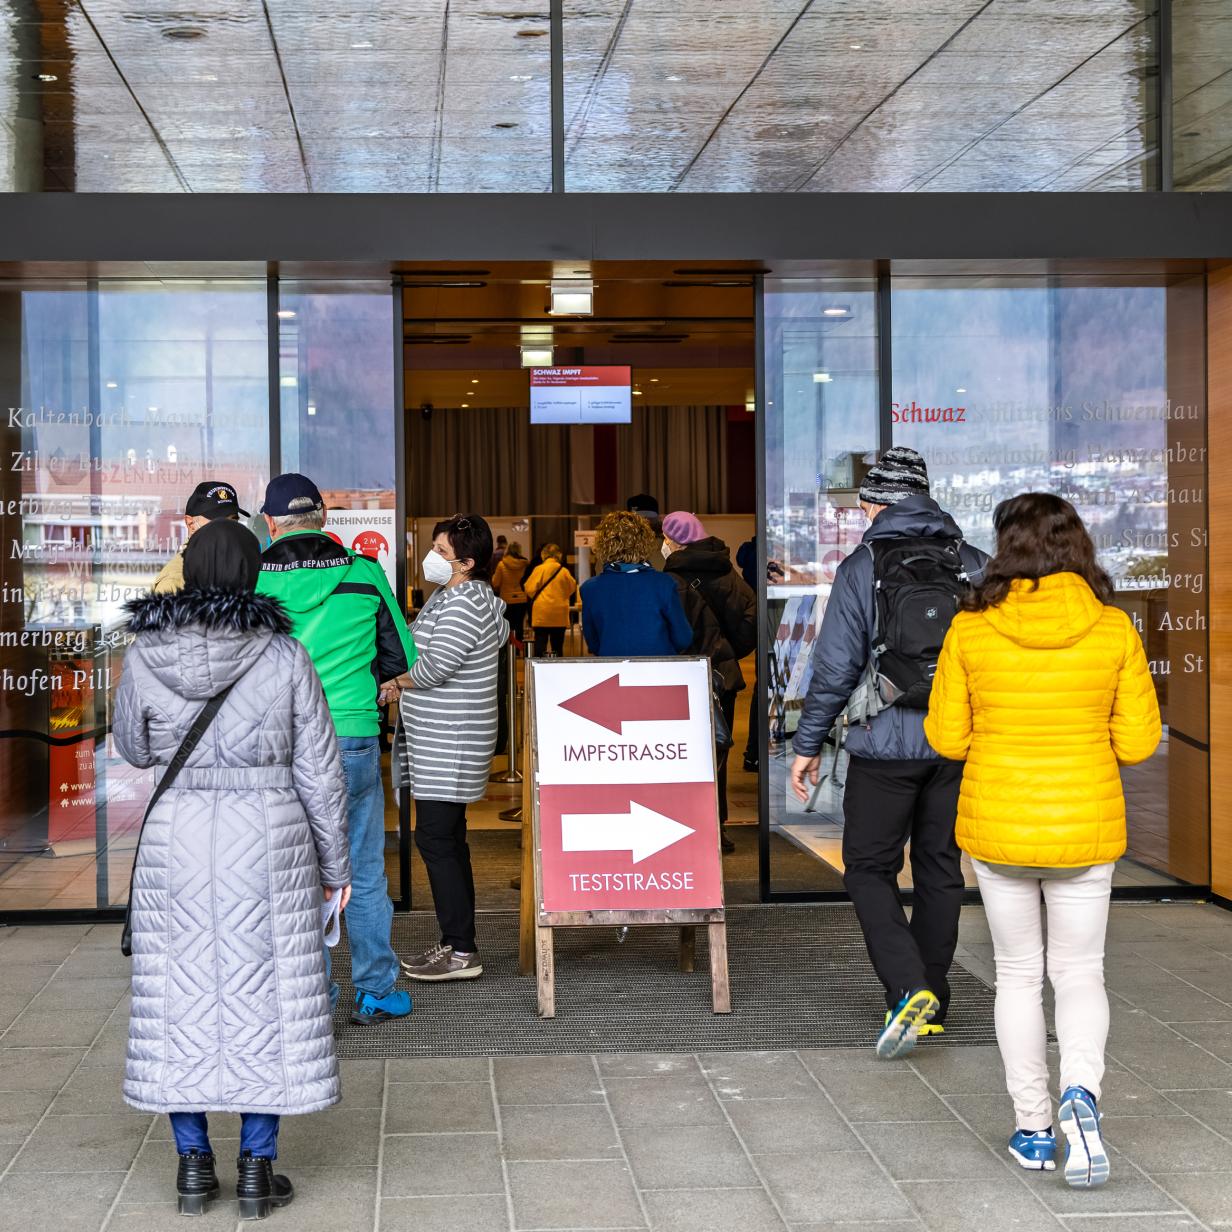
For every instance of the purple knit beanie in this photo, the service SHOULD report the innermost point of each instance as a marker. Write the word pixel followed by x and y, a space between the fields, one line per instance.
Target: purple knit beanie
pixel 684 528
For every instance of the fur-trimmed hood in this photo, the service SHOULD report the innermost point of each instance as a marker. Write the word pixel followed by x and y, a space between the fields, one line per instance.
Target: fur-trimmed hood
pixel 199 641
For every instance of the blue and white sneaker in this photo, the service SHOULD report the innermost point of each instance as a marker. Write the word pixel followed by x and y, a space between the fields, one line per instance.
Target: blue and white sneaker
pixel 1086 1160
pixel 902 1028
pixel 1036 1151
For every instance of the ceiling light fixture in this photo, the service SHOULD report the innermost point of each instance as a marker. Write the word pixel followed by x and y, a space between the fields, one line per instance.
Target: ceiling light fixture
pixel 312 408
pixel 572 298
pixel 474 380
pixel 822 378
pixel 286 314
pixel 47 77
pixel 962 389
pixel 750 406
pixel 465 405
pixel 836 310
pixel 112 385
pixel 288 382
pixel 536 357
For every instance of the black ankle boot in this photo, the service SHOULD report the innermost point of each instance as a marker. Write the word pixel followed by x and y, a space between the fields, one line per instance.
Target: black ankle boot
pixel 196 1182
pixel 258 1188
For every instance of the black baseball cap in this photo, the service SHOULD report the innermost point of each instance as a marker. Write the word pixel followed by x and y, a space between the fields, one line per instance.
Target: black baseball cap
pixel 213 499
pixel 644 504
pixel 291 493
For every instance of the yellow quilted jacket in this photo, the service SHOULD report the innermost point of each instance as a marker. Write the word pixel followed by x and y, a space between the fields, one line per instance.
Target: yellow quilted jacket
pixel 1042 697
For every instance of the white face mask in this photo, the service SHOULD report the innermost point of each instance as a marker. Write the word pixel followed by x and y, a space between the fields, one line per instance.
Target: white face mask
pixel 436 569
pixel 666 549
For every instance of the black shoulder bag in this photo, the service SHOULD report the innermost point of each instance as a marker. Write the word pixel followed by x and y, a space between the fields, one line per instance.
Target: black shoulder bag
pixel 198 729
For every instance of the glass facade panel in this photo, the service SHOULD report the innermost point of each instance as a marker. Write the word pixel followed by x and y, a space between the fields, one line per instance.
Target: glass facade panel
pixel 120 399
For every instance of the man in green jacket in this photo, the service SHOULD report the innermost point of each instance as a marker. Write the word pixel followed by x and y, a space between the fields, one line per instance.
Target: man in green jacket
pixel 343 611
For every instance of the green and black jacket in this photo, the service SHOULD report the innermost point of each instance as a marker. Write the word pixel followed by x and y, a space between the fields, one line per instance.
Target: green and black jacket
pixel 343 611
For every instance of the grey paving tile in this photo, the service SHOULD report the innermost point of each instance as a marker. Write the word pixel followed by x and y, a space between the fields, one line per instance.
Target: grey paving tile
pixel 96 962
pixel 11 1006
pixel 757 1075
pixel 662 1102
pixel 1207 1194
pixel 574 1195
pixel 82 1143
pixel 879 1225
pixel 28 1202
pixel 1213 1107
pixel 774 1126
pixel 161 1216
pixel 691 1157
pixel 979 1205
pixel 37 1068
pixel 1154 1221
pixel 442 1164
pixel 93 1092
pixel 55 1028
pixel 890 1093
pixel 1215 1037
pixel 333 1199
pixel 810 1187
pixel 1166 1060
pixel 1169 1144
pixel 27 979
pixel 1129 1189
pixel 546 1080
pixel 438 1069
pixel 1167 998
pixel 960 1071
pixel 560 1131
pixel 646 1064
pixel 453 1214
pixel 64 993
pixel 19 1113
pixel 440 1108
pixel 945 1152
pixel 338 1137
pixel 715 1210
pixel 152 1177
pixel 363 1083
pixel 991 1117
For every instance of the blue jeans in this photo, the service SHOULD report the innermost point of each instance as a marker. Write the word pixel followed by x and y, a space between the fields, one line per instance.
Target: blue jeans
pixel 258 1133
pixel 374 965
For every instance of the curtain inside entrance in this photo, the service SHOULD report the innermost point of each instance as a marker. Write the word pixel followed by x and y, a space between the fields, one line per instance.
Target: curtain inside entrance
pixel 493 461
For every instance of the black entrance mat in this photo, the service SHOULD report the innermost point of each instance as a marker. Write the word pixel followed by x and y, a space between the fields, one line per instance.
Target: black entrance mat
pixel 800 978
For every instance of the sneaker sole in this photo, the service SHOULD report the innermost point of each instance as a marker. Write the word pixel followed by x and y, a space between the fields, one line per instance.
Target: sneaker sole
pixel 1034 1165
pixel 902 1031
pixel 366 1020
pixel 1086 1161
pixel 468 973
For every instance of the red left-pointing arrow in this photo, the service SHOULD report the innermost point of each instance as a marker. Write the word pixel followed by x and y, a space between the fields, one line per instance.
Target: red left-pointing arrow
pixel 611 704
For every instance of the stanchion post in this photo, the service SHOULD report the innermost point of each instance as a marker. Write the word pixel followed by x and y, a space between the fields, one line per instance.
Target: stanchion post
pixel 513 774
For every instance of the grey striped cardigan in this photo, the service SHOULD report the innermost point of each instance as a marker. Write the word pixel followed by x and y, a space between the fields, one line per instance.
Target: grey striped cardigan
pixel 449 715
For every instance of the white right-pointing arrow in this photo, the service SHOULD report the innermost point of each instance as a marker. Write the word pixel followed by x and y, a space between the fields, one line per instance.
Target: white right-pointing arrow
pixel 641 831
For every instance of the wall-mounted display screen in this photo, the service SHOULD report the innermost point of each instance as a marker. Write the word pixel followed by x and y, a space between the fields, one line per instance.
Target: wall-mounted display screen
pixel 580 395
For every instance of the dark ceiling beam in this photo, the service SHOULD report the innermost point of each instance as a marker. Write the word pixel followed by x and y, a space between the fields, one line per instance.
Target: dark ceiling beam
pixel 612 226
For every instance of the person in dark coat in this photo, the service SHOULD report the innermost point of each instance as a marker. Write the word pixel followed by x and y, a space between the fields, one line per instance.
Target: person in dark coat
pixel 231 1005
pixel 629 609
pixel 722 609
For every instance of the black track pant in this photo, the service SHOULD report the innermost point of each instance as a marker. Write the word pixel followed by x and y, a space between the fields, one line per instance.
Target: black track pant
pixel 888 804
pixel 440 835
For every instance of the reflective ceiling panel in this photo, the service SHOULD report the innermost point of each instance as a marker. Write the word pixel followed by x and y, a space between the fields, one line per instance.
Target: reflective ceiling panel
pixel 660 95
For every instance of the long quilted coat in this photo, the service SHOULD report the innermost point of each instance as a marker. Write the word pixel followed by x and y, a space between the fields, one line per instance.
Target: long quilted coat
pixel 230 1000
pixel 1043 696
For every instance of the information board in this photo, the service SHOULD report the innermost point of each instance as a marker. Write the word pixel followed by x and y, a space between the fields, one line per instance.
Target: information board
pixel 594 395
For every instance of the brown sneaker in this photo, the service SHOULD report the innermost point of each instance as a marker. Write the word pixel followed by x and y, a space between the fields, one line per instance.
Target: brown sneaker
pixel 442 963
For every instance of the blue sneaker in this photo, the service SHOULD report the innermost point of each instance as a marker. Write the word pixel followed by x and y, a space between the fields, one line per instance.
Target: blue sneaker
pixel 1086 1160
pixel 1035 1151
pixel 901 1031
pixel 369 1009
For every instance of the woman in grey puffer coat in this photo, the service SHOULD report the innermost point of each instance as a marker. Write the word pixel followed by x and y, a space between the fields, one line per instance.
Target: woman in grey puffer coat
pixel 230 1000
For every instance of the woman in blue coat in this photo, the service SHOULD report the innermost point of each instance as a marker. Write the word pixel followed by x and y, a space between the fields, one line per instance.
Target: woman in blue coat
pixel 630 609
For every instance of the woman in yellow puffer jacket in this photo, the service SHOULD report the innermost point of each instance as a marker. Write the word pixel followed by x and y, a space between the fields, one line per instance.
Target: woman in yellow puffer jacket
pixel 1043 689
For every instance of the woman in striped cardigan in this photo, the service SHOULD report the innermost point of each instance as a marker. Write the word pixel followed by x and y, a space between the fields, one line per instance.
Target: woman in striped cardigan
pixel 449 714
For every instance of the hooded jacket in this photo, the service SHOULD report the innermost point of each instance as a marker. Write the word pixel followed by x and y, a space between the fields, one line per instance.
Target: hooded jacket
pixel 343 611
pixel 230 1000
pixel 719 605
pixel 449 714
pixel 844 646
pixel 1043 696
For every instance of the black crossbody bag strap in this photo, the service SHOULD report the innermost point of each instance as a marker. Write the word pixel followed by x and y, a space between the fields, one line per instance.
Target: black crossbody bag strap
pixel 535 597
pixel 198 729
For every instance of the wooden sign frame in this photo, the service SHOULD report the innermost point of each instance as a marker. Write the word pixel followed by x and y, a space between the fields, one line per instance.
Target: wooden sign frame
pixel 536 949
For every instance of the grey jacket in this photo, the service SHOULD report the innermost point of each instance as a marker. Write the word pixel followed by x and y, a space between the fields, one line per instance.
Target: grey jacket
pixel 230 1000
pixel 449 715
pixel 844 645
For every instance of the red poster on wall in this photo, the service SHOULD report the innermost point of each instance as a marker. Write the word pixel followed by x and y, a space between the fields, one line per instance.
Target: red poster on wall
pixel 71 762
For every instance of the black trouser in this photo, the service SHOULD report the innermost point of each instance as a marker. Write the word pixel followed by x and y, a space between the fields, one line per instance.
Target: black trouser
pixel 757 707
pixel 727 703
pixel 440 835
pixel 551 633
pixel 515 613
pixel 887 804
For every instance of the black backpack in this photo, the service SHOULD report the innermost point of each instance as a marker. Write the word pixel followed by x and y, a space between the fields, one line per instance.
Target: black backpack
pixel 918 584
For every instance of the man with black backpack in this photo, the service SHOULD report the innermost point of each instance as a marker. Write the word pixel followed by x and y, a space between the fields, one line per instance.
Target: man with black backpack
pixel 891 604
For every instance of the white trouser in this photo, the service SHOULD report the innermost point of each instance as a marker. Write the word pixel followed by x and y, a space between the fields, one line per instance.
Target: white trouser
pixel 1077 922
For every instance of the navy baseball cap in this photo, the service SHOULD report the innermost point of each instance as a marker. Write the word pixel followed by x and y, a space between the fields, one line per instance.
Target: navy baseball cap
pixel 291 493
pixel 213 499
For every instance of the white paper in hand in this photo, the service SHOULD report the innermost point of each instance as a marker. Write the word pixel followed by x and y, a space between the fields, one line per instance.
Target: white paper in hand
pixel 331 919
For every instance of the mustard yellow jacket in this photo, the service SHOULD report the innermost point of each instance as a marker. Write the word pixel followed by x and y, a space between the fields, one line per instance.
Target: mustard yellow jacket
pixel 549 589
pixel 1042 697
